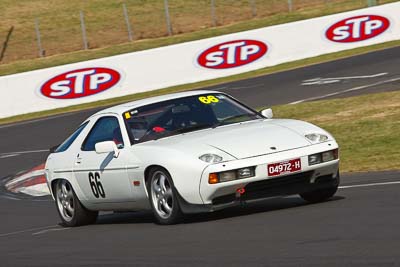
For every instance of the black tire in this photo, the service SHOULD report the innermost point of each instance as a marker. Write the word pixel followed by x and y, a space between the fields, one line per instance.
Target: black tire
pixel 320 195
pixel 169 212
pixel 80 215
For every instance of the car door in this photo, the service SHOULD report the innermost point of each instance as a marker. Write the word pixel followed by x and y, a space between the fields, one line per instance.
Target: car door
pixel 103 178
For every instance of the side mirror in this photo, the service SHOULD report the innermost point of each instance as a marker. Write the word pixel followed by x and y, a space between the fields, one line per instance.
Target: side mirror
pixel 107 147
pixel 267 113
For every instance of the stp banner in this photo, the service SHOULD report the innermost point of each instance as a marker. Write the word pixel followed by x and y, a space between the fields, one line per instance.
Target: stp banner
pixel 195 61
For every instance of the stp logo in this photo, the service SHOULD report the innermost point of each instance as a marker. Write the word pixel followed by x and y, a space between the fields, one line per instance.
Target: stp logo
pixel 358 28
pixel 80 83
pixel 232 54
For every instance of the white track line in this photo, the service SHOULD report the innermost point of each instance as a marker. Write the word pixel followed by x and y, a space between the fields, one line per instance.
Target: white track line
pixel 50 230
pixel 27 230
pixel 368 185
pixel 346 91
pixel 23 152
pixel 338 79
pixel 8 156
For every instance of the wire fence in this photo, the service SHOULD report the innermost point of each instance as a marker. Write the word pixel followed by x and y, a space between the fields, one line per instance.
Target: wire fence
pixel 66 26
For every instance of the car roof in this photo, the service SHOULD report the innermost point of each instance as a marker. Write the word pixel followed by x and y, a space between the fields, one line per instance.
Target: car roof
pixel 119 109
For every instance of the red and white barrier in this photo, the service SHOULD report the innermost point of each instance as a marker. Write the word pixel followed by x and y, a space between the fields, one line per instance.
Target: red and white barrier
pixel 32 182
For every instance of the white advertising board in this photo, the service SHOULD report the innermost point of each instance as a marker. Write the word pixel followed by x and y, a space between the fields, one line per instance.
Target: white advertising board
pixel 195 61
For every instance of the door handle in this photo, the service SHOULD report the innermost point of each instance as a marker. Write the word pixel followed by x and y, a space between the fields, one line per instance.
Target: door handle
pixel 78 159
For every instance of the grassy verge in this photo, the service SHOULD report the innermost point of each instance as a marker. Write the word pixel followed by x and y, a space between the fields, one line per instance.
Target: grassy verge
pixel 264 71
pixel 366 127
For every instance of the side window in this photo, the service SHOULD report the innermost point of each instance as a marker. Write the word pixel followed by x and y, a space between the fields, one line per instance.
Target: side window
pixel 68 142
pixel 105 129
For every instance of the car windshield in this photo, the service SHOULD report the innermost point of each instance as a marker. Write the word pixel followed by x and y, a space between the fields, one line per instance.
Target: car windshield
pixel 184 115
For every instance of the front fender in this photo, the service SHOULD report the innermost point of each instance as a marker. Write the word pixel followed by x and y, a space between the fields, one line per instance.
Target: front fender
pixel 185 170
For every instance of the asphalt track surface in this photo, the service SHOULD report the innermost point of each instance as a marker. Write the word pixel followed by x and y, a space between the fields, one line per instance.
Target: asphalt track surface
pixel 359 227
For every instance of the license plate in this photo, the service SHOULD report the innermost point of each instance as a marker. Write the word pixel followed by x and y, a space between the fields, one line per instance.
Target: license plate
pixel 283 167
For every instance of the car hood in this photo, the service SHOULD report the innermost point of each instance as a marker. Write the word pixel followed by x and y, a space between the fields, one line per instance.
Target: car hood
pixel 243 140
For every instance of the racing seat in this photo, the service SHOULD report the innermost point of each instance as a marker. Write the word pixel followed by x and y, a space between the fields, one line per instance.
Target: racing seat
pixel 138 128
pixel 117 137
pixel 181 120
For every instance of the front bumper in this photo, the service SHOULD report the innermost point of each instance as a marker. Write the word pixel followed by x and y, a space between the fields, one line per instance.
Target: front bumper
pixel 310 178
pixel 288 185
pixel 256 191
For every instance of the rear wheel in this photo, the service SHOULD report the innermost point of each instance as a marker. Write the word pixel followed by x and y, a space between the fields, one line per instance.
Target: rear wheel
pixel 163 197
pixel 70 209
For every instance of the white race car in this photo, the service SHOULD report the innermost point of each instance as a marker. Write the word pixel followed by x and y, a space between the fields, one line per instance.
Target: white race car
pixel 188 152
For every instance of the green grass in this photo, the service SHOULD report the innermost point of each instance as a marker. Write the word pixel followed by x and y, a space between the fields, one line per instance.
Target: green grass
pixel 264 71
pixel 61 36
pixel 366 127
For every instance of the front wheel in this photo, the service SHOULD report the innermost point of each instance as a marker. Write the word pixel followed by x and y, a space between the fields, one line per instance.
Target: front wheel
pixel 163 197
pixel 70 209
pixel 320 195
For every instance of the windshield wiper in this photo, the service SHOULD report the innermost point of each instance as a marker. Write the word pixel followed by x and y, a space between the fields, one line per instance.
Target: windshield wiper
pixel 223 122
pixel 193 128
